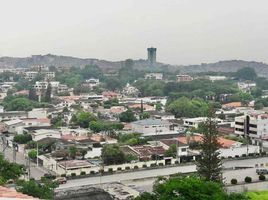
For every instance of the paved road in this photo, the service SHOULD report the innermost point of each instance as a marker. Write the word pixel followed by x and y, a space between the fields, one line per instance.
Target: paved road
pixel 36 172
pixel 130 176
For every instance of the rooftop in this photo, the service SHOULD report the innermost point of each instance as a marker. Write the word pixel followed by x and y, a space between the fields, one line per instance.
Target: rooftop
pixel 75 164
pixel 151 122
pixel 8 193
pixel 225 143
pixel 232 104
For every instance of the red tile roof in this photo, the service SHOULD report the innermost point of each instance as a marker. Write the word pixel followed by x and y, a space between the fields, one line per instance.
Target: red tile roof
pixel 232 104
pixel 6 193
pixel 225 143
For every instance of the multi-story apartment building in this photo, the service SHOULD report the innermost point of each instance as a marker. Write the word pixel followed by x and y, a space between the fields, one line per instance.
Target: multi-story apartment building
pixel 254 126
pixel 56 86
pixel 31 75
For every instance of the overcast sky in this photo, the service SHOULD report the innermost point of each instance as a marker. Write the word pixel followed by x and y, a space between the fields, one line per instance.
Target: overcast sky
pixel 184 31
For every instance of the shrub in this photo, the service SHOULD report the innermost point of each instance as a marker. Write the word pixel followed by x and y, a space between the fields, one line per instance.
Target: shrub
pixel 248 179
pixel 82 173
pixel 63 175
pixel 101 171
pixel 153 165
pixel 136 167
pixel 144 166
pixel 234 181
pixel 262 177
pixel 119 168
pixel 244 155
pixel 92 172
pixel 127 168
pixel 110 170
pixel 73 174
pixel 176 162
pixel 161 164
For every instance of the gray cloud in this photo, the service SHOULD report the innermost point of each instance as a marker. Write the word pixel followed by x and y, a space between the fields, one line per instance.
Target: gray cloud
pixel 184 31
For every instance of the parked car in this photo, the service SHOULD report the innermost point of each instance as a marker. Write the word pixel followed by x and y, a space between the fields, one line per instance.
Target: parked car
pixel 60 180
pixel 261 171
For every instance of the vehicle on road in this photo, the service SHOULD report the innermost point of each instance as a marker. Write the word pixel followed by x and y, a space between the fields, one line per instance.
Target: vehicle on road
pixel 60 180
pixel 261 171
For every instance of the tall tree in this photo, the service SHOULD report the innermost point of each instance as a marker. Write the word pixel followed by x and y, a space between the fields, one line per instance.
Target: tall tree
pixel 209 165
pixel 48 93
pixel 32 94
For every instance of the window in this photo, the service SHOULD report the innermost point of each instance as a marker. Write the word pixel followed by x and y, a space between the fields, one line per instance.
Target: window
pixel 183 149
pixel 239 123
pixel 253 125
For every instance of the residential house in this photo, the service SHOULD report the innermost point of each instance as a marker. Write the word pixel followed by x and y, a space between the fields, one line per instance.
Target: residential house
pixel 154 76
pixel 150 127
pixel 184 78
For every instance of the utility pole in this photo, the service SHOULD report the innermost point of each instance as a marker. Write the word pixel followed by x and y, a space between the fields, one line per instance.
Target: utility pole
pixel 29 168
pixel 37 154
pixel 4 144
pixel 14 145
pixel 177 150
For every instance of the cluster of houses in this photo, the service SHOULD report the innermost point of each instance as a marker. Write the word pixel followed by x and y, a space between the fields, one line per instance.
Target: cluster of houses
pixel 161 130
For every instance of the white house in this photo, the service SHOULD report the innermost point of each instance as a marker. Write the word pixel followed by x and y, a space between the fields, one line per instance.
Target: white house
pixel 153 127
pixel 194 122
pixel 155 76
pixel 45 133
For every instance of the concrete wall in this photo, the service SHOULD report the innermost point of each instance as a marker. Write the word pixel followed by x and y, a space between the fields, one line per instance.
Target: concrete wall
pixel 239 151
pixel 52 165
pixel 82 193
pixel 257 186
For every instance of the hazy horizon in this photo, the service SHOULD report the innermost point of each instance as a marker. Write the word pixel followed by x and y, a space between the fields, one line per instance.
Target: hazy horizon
pixel 183 31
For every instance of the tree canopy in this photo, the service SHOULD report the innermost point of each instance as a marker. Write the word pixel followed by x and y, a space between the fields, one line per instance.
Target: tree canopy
pixel 246 73
pixel 189 188
pixel 127 116
pixel 112 154
pixel 184 107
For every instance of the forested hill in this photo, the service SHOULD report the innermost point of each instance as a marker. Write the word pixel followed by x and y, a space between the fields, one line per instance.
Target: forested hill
pixel 60 61
pixel 227 66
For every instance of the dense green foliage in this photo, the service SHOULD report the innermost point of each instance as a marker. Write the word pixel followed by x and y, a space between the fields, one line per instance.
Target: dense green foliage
pixel 83 118
pixel 42 190
pixel 21 103
pixel 246 73
pixel 112 154
pixel 132 139
pixel 98 126
pixel 184 107
pixel 189 188
pixel 127 116
pixel 172 151
pixel 32 154
pixel 22 138
pixel 9 170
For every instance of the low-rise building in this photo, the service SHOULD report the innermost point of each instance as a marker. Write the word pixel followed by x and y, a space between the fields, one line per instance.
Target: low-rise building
pixel 150 127
pixel 40 134
pixel 154 76
pixel 194 122
pixel 184 78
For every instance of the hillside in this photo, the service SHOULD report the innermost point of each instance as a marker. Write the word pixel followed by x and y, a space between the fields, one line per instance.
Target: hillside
pixel 59 61
pixel 227 66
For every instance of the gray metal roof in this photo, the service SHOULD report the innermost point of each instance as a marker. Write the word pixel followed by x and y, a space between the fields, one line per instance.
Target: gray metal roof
pixel 152 122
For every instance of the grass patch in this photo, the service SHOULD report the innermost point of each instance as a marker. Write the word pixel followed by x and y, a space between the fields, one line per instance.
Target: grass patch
pixel 262 195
